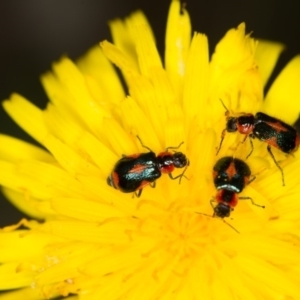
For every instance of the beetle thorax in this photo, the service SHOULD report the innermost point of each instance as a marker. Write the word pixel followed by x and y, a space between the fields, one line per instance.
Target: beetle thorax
pixel 245 124
pixel 165 162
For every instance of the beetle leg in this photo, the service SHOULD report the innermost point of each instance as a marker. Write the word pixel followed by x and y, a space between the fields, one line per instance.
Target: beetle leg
pixel 143 144
pixel 276 163
pixel 174 148
pixel 252 179
pixel 138 193
pixel 248 198
pixel 221 142
pixel 212 201
pixel 153 184
pixel 179 176
pixel 251 144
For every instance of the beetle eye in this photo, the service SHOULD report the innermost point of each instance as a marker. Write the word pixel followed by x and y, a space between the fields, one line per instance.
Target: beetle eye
pixel 109 181
pixel 231 125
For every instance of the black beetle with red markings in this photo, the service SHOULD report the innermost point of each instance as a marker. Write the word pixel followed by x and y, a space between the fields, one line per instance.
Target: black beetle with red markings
pixel 231 175
pixel 133 172
pixel 265 128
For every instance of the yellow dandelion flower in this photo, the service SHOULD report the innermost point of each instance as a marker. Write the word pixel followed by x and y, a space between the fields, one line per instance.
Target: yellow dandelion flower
pixel 87 240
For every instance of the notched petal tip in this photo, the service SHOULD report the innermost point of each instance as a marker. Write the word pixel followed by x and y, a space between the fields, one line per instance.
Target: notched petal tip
pixel 119 58
pixel 234 71
pixel 235 49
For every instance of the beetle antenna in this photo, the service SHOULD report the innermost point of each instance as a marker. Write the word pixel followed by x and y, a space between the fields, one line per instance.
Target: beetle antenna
pixel 230 226
pixel 227 110
pixel 199 213
pixel 143 144
pixel 174 148
pixel 213 216
pixel 221 142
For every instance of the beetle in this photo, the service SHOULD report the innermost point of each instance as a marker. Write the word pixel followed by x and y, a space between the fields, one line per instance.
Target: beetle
pixel 230 175
pixel 265 128
pixel 133 172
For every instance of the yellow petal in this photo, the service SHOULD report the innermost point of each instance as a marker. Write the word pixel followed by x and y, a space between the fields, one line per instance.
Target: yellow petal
pixel 94 64
pixel 100 191
pixel 121 145
pixel 145 95
pixel 83 209
pixel 74 84
pixel 124 40
pixel 57 273
pixel 88 232
pixel 164 97
pixel 10 278
pixel 39 180
pixel 195 90
pixel 227 56
pixel 282 100
pixel 23 245
pixel 267 275
pixel 90 145
pixel 71 161
pixel 178 38
pixel 265 248
pixel 59 96
pixel 118 261
pixel 134 116
pixel 27 116
pixel 174 127
pixel 61 125
pixel 26 293
pixel 148 56
pixel 266 55
pixel 234 73
pixel 25 203
pixel 14 150
pixel 119 58
pixel 241 289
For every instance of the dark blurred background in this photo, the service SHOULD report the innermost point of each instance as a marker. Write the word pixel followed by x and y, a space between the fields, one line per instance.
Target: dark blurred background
pixel 33 33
